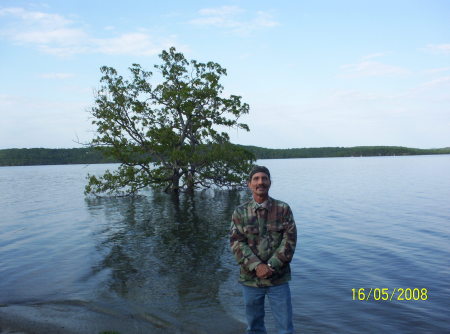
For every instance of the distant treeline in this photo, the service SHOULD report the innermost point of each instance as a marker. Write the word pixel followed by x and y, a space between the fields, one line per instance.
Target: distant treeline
pixel 50 156
pixel 332 152
pixel 62 156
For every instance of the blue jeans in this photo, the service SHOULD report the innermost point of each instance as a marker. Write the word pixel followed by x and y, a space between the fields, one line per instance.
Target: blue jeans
pixel 280 304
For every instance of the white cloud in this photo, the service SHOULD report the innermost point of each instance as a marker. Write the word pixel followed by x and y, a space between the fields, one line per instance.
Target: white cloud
pixel 61 36
pixel 234 18
pixel 44 31
pixel 30 17
pixel 57 35
pixel 367 68
pixel 264 19
pixel 438 48
pixel 139 44
pixel 56 75
pixel 437 82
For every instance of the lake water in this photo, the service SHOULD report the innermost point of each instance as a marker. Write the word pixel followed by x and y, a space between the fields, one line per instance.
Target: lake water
pixel 157 264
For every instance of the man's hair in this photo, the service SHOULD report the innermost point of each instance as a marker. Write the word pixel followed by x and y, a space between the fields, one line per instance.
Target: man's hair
pixel 258 169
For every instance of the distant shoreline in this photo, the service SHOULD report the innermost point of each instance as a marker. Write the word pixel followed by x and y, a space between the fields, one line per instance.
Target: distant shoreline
pixel 69 156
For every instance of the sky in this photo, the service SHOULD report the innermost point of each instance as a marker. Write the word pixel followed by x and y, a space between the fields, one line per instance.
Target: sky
pixel 315 72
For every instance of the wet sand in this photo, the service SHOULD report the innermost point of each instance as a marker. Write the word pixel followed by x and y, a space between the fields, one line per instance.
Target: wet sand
pixel 67 319
pixel 79 318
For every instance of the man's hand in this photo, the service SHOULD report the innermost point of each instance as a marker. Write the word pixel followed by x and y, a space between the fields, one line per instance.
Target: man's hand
pixel 263 270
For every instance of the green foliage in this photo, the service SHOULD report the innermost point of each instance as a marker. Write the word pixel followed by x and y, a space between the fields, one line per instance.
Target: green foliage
pixel 166 135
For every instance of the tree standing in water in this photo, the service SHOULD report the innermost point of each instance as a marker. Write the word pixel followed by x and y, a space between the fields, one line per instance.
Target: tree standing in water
pixel 167 135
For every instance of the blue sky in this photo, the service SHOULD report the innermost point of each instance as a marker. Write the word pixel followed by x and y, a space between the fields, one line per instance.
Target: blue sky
pixel 315 73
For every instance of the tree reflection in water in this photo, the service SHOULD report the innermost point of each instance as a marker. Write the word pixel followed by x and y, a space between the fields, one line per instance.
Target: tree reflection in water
pixel 167 255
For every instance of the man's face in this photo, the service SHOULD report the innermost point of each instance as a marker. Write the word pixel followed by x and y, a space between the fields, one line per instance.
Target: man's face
pixel 259 184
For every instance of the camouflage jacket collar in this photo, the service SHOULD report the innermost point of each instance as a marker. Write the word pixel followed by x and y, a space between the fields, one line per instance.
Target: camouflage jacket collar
pixel 267 204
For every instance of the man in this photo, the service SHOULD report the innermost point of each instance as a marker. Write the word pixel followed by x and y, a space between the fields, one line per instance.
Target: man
pixel 263 239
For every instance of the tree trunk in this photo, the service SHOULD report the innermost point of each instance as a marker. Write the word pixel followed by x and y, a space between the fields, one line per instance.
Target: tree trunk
pixel 175 183
pixel 190 180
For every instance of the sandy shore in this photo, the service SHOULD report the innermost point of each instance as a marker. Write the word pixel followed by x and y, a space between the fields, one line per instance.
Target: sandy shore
pixel 64 319
pixel 72 319
pixel 10 331
pixel 77 318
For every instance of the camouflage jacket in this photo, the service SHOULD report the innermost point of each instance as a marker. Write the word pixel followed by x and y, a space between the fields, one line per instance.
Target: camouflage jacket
pixel 264 234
